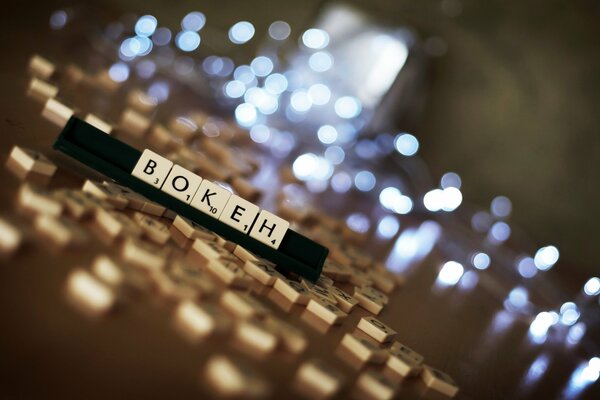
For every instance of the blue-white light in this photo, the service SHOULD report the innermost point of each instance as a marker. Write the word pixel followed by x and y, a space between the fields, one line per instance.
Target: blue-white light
pixel 146 25
pixel 244 73
pixel 569 314
pixel 146 69
pixel 480 260
pixel 434 200
pixel 449 179
pixel 279 30
pixel 241 32
pixel 261 66
pixel 347 107
pixel 193 21
pixel 518 297
pixel 341 182
pixel 526 267
pixel 320 61
pixel 499 232
pixel 402 205
pixel 187 40
pixel 315 38
pixel 162 36
pixel 358 222
pixel 118 72
pixel 388 227
pixel 58 19
pixel 364 181
pixel 406 144
pixel 260 133
pixel 452 199
pixel 327 134
pixel 546 257
pixel 160 91
pixel 450 273
pixel 501 207
pixel 245 114
pixel 335 155
pixel 276 83
pixel 319 94
pixel 388 196
pixel 234 89
pixel 576 333
pixel 592 286
pixel 300 101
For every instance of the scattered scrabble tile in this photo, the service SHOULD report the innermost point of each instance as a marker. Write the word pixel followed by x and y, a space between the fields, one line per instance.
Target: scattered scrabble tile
pixel 211 250
pixel 153 229
pixel 363 349
pixel 233 379
pixel 325 310
pixel 374 293
pixel 440 381
pixel 229 273
pixel 404 361
pixel 161 138
pixel 193 276
pixel 376 329
pixel 243 305
pixel 41 90
pixel 319 292
pixel 245 255
pixel 291 290
pixel 77 204
pixel 262 271
pixel 344 301
pixel 292 338
pixel 226 244
pixel 59 230
pixel 116 224
pixel 375 385
pixel 88 293
pixel 38 200
pixel 367 301
pixel 246 189
pixel 143 255
pixel 10 237
pixel 141 101
pixel 171 287
pixel 98 123
pixel 335 271
pixel 192 230
pixel 359 277
pixel 153 208
pixel 325 282
pixel 105 193
pixel 134 123
pixel 259 336
pixel 135 201
pixel 201 320
pixel 56 112
pixel 41 67
pixel 321 380
pixel 108 271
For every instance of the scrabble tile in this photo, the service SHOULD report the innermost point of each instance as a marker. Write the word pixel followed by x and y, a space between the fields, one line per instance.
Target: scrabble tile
pixel 192 230
pixel 262 271
pixel 246 190
pixel 269 229
pixel 325 310
pixel 41 67
pixel 73 74
pixel 376 329
pixel 98 123
pixel 10 237
pixel 88 293
pixel 363 349
pixel 440 381
pixel 108 271
pixel 211 198
pixel 105 193
pixel 181 184
pixel 319 292
pixel 41 90
pixel 59 230
pixel 161 138
pixel 201 320
pixel 141 101
pixel 171 287
pixel 183 127
pixel 374 293
pixel 153 229
pixel 152 168
pixel 321 379
pixel 359 277
pixel 384 280
pixel 56 112
pixel 213 170
pixel 211 250
pixel 229 273
pixel 144 255
pixel 224 243
pixel 344 301
pixel 78 204
pixel 325 282
pixel 337 272
pixel 257 335
pixel 404 361
pixel 116 224
pixel 193 276
pixel 292 339
pixel 239 214
pixel 375 385
pixel 291 290
pixel 243 305
pixel 38 200
pixel 234 379
pixel 367 301
pixel 31 160
pixel 135 201
pixel 134 123
pixel 245 255
pixel 153 208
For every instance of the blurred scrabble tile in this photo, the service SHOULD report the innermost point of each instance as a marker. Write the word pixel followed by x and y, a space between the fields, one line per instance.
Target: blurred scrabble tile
pixel 32 161
pixel 359 277
pixel 384 280
pixel 192 230
pixel 226 244
pixel 10 237
pixel 153 208
pixel 262 271
pixel 246 190
pixel 141 101
pixel 363 349
pixel 41 90
pixel 116 224
pixel 160 138
pixel 59 230
pixel 260 337
pixel 78 204
pixel 229 273
pixel 89 294
pixel 103 81
pixel 316 379
pixel 183 127
pixel 135 201
pixel 212 170
pixel 319 292
pixel 336 271
pixel 376 329
pixel 181 184
pixel 97 122
pixel 152 168
pixel 325 281
pixel 56 112
pixel 243 305
pixel 193 276
pixel 374 293
pixel 438 380
pixel 367 301
pixel 144 255
pixel 211 198
pixel 103 192
pixel 153 229
pixel 198 321
pixel 134 123
pixel 234 379
pixel 375 385
pixel 41 67
pixel 38 200
pixel 73 74
pixel 404 361
pixel 292 339
pixel 211 250
pixel 108 270
pixel 239 213
pixel 291 290
pixel 172 287
pixel 344 301
pixel 325 310
pixel 269 229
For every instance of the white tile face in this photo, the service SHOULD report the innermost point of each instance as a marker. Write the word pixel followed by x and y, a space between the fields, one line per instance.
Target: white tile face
pixel 152 168
pixel 181 184
pixel 269 229
pixel 210 198
pixel 239 213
